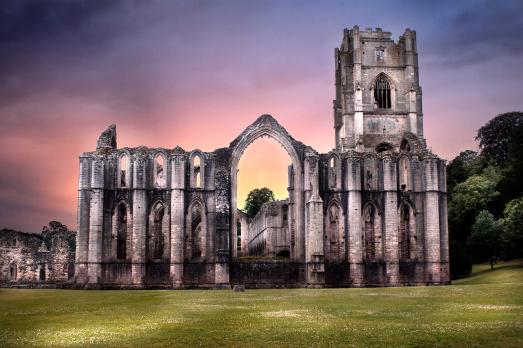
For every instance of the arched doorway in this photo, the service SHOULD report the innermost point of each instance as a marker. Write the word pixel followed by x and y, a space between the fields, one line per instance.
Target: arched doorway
pixel 266 125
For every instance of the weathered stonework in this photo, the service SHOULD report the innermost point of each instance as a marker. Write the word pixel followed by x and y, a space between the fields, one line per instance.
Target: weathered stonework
pixel 372 212
pixel 36 260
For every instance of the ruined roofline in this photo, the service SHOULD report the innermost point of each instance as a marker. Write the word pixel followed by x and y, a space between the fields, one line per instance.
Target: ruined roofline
pixel 377 34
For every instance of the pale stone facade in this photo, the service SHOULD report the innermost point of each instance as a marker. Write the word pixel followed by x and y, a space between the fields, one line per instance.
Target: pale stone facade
pixel 371 212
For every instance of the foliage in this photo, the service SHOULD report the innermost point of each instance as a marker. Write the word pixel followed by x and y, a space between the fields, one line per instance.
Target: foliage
pixel 466 164
pixel 484 310
pixel 513 229
pixel 470 197
pixel 496 137
pixel 485 240
pixel 255 200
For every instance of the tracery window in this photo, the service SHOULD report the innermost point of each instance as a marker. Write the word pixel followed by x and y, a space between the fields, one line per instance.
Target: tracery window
pixel 382 93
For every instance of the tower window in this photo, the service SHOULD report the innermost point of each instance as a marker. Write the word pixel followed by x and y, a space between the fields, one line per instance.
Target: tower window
pixel 382 95
pixel 380 54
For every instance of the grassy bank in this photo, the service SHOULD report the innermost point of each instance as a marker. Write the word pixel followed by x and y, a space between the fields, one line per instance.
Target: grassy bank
pixel 485 309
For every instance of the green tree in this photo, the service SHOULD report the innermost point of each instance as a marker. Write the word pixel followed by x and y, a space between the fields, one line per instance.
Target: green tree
pixel 485 240
pixel 255 200
pixel 464 165
pixel 513 229
pixel 497 135
pixel 470 197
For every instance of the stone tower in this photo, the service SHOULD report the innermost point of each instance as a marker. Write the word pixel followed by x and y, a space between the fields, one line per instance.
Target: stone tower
pixel 378 96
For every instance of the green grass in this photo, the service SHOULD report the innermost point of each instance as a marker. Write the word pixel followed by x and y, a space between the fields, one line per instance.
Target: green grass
pixel 485 309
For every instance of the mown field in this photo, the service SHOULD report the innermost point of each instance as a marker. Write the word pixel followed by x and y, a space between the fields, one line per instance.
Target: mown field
pixel 485 310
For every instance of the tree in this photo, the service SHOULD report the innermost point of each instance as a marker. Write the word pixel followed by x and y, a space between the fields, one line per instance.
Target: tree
pixel 255 200
pixel 485 240
pixel 464 165
pixel 460 261
pixel 497 135
pixel 513 229
pixel 470 197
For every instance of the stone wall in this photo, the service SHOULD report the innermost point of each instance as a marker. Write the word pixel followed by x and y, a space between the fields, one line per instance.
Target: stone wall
pixel 45 259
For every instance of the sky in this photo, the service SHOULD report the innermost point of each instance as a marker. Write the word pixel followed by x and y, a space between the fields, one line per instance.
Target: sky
pixel 196 73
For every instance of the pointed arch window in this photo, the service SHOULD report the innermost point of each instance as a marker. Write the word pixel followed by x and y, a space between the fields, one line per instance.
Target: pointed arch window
pixel 157 239
pixel 197 171
pixel 372 233
pixel 382 93
pixel 123 171
pixel 195 232
pixel 159 170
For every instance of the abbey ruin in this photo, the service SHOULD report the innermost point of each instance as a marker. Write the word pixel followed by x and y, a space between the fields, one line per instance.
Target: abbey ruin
pixel 371 212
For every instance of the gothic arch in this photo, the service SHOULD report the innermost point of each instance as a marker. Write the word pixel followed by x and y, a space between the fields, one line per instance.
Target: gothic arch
pixel 122 230
pixel 196 231
pixel 383 91
pixel 158 236
pixel 334 176
pixel 160 165
pixel 266 125
pixel 407 238
pixel 335 246
pixel 197 169
pixel 372 232
pixel 123 174
pixel 404 173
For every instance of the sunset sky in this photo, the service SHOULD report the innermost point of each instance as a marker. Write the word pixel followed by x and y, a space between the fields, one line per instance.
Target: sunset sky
pixel 196 73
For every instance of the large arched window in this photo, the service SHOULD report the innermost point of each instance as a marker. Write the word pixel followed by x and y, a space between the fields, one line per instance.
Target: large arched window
pixel 196 231
pixel 157 237
pixel 121 232
pixel 159 170
pixel 372 233
pixel 382 93
pixel 335 246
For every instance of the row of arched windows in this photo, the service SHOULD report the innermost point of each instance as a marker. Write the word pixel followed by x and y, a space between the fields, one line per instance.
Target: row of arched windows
pixel 373 232
pixel 160 171
pixel 335 250
pixel 158 235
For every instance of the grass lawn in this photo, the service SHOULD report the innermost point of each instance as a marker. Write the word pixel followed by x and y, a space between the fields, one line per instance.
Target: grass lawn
pixel 485 309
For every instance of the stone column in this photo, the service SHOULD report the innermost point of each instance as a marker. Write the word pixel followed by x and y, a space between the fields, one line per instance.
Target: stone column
pixel 353 216
pixel 432 221
pixel 443 223
pixel 314 251
pixel 177 218
pixel 390 215
pixel 83 216
pixel 94 268
pixel 139 221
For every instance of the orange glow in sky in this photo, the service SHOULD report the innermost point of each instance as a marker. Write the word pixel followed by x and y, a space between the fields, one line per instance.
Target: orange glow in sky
pixel 263 164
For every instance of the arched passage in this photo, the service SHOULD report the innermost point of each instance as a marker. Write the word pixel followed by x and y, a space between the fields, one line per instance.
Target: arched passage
pixel 266 125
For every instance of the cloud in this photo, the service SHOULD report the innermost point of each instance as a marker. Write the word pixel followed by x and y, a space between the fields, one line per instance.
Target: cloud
pixel 477 33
